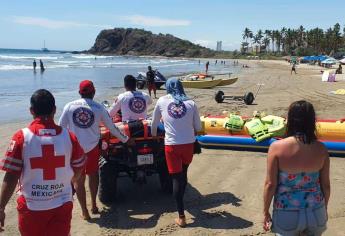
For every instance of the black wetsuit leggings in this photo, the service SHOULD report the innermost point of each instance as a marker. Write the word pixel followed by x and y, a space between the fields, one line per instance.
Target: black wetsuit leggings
pixel 179 187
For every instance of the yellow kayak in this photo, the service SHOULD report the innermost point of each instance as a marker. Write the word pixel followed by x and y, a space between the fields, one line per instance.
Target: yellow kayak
pixel 201 84
pixel 226 82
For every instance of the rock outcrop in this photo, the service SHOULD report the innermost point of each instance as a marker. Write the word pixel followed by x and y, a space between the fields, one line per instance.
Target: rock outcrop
pixel 121 41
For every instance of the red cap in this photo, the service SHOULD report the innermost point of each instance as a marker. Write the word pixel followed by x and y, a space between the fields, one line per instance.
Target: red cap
pixel 86 87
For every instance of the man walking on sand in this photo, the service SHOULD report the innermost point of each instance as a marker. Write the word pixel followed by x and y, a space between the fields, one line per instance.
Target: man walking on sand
pixel 150 81
pixel 293 68
pixel 181 123
pixel 83 117
pixel 45 158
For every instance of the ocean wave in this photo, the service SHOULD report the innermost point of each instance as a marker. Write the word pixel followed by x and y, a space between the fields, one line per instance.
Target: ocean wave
pixel 29 57
pixel 86 65
pixel 15 67
pixel 71 62
pixel 84 56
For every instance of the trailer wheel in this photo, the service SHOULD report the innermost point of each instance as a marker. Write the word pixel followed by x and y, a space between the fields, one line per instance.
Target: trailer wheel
pixel 248 98
pixel 219 96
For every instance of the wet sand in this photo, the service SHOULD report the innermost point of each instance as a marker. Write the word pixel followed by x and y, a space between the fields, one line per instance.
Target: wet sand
pixel 224 195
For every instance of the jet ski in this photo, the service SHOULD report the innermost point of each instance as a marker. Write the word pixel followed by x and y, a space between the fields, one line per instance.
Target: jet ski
pixel 159 80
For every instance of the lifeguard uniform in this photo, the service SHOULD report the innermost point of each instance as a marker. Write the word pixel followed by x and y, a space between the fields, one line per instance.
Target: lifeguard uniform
pixel 83 117
pixel 132 104
pixel 45 156
pixel 181 121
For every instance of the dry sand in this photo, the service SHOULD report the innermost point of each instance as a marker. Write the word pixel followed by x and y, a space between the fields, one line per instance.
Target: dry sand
pixel 224 196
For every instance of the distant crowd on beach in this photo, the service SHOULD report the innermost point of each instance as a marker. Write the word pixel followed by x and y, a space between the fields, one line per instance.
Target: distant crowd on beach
pixel 222 62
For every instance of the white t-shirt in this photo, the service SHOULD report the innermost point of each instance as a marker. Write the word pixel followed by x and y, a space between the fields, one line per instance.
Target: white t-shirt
pixel 181 121
pixel 83 117
pixel 133 105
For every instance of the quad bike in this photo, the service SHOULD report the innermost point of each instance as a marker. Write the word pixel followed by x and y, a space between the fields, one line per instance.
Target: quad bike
pixel 145 158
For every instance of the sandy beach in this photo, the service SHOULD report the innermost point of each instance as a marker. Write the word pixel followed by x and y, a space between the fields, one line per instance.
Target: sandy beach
pixel 224 196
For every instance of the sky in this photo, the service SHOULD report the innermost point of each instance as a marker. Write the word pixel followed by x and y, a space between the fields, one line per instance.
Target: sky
pixel 75 24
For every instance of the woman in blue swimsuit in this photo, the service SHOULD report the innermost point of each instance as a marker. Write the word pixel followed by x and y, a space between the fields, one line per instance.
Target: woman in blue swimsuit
pixel 297 177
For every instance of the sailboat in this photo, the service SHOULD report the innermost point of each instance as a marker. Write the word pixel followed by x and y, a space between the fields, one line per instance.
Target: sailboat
pixel 44 49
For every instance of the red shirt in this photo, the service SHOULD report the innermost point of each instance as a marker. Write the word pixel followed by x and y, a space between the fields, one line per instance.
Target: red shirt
pixel 13 160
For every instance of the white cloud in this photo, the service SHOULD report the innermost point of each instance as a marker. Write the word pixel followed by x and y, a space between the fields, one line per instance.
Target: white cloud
pixel 205 43
pixel 226 45
pixel 52 24
pixel 154 21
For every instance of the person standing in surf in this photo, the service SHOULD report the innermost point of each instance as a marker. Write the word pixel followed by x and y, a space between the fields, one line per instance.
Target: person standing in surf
pixel 42 66
pixel 43 159
pixel 207 65
pixel 181 123
pixel 34 64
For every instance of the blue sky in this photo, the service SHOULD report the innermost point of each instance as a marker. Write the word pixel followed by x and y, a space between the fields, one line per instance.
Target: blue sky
pixel 74 24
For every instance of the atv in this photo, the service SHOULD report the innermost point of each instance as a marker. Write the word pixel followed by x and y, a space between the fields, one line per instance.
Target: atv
pixel 145 158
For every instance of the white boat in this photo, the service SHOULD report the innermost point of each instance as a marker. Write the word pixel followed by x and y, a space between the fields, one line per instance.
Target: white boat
pixel 44 49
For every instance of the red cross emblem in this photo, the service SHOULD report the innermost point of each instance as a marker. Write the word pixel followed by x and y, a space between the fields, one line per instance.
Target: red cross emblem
pixel 48 162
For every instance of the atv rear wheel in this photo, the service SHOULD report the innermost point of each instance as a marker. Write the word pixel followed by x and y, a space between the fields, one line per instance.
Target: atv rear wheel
pixel 108 183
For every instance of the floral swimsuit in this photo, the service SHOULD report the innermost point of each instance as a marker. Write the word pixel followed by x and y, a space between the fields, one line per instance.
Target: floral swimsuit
pixel 298 191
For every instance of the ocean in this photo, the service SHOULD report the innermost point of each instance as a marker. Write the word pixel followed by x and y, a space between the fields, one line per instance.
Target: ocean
pixel 65 70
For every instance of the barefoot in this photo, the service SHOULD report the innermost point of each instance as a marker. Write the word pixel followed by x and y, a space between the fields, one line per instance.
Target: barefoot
pixel 181 221
pixel 85 216
pixel 95 210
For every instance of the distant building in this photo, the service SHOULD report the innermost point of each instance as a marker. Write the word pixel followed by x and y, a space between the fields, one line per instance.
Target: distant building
pixel 219 46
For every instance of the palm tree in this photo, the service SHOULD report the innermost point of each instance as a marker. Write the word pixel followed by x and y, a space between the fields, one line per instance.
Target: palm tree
pixel 244 47
pixel 301 36
pixel 270 35
pixel 246 34
pixel 278 35
pixel 299 41
pixel 336 40
pixel 256 41
pixel 266 41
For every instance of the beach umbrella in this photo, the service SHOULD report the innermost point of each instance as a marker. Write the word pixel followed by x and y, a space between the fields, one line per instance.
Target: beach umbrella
pixel 329 60
pixel 322 58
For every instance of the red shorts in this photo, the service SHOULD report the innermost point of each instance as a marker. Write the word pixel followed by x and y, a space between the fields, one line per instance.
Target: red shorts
pixel 178 155
pixel 151 86
pixel 53 222
pixel 92 158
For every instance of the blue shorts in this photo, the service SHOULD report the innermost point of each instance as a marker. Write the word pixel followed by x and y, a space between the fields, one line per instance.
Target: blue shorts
pixel 310 221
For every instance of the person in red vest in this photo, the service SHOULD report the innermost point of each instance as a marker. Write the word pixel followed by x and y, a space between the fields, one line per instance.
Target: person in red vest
pixel 43 159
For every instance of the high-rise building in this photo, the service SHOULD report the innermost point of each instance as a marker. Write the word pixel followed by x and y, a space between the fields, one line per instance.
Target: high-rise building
pixel 219 45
